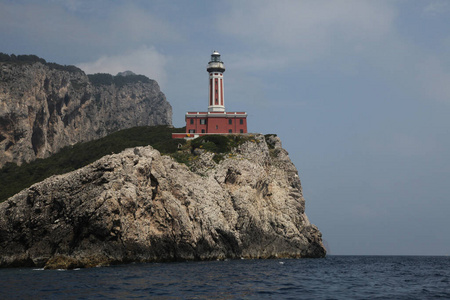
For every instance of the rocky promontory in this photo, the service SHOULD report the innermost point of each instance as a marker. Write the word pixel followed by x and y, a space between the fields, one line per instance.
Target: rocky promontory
pixel 46 106
pixel 141 206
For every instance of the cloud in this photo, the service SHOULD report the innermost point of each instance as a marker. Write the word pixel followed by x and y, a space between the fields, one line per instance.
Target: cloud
pixel 146 61
pixel 41 22
pixel 136 24
pixel 83 28
pixel 306 31
pixel 402 145
pixel 351 37
pixel 437 7
pixel 434 79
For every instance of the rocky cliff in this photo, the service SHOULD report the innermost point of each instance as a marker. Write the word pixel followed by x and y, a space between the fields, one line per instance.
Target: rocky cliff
pixel 141 206
pixel 45 106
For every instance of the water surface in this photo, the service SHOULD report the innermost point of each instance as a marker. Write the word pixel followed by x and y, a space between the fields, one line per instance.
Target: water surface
pixel 334 277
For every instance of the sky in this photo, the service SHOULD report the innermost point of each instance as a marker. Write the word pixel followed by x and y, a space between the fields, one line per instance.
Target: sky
pixel 358 91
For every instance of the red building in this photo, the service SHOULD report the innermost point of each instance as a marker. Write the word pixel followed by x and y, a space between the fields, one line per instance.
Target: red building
pixel 216 120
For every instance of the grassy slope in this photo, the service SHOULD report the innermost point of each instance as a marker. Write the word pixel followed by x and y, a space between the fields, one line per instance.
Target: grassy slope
pixel 14 178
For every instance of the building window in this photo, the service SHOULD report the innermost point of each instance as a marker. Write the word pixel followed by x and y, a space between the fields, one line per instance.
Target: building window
pixel 241 131
pixel 192 121
pixel 202 121
pixel 230 121
pixel 241 121
pixel 230 131
pixel 203 130
pixel 217 126
pixel 191 130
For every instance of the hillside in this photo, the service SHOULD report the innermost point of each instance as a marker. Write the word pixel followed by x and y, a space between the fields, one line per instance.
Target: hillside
pixel 45 106
pixel 14 178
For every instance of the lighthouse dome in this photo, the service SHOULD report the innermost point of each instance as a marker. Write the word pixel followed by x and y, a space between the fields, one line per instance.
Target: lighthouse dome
pixel 215 64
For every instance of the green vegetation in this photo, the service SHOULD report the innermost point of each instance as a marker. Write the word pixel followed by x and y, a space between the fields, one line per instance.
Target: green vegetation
pixel 21 58
pixel 272 150
pixel 14 178
pixel 118 80
pixel 30 59
pixel 266 137
pixel 213 143
pixel 218 144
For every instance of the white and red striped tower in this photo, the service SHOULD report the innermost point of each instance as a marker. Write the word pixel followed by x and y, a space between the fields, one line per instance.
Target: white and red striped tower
pixel 216 68
pixel 216 120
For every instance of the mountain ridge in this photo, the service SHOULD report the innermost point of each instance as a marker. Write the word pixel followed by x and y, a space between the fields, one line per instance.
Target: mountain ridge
pixel 46 106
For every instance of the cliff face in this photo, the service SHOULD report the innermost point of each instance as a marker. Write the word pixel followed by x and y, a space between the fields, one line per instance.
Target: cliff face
pixel 43 108
pixel 141 206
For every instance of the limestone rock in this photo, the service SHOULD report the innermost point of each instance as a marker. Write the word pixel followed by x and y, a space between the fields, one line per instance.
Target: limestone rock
pixel 141 206
pixel 44 107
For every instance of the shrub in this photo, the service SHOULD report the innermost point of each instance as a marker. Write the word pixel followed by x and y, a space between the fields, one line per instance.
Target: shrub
pixel 14 178
pixel 118 80
pixel 220 143
pixel 30 59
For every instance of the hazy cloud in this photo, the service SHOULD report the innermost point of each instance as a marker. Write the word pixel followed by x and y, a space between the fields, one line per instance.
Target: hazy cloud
pixel 304 31
pixel 41 22
pixel 83 28
pixel 402 145
pixel 434 78
pixel 437 7
pixel 340 36
pixel 145 61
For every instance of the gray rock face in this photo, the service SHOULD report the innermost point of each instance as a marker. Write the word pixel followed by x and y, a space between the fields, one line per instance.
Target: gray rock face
pixel 141 206
pixel 43 109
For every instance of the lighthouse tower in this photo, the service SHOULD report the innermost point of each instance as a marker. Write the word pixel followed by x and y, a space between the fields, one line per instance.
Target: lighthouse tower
pixel 216 69
pixel 216 120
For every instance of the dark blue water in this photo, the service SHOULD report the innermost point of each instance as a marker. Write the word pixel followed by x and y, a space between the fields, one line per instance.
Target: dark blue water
pixel 334 277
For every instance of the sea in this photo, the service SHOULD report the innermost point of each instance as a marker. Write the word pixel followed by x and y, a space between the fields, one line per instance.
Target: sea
pixel 333 277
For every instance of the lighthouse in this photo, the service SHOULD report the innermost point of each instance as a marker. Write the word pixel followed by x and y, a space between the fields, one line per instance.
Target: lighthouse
pixel 215 69
pixel 216 120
